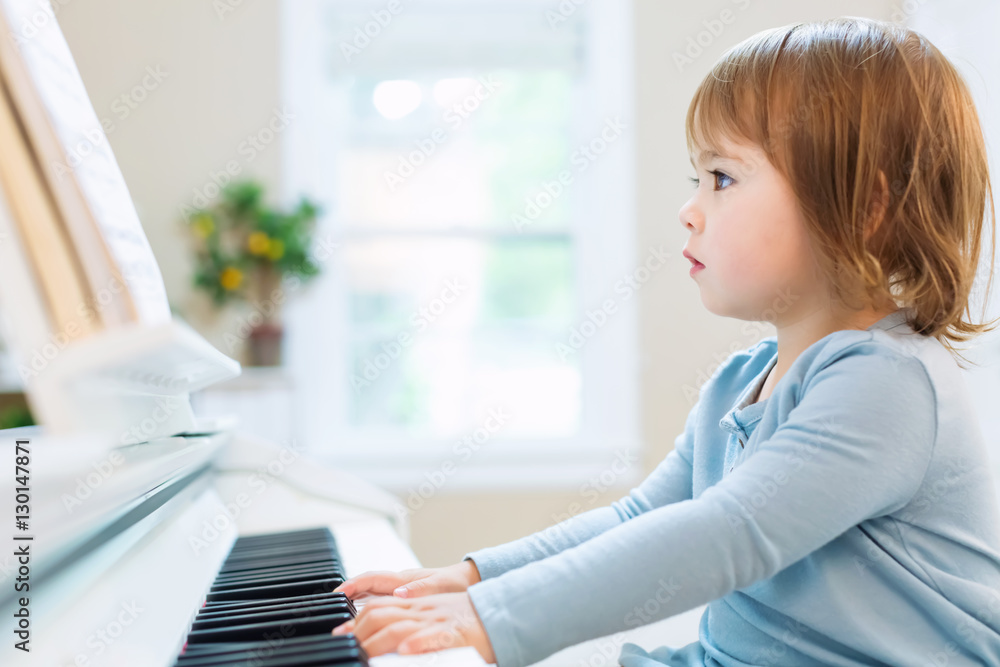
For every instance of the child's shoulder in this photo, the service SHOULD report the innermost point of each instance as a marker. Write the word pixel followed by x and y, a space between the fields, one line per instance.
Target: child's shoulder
pixel 892 347
pixel 916 369
pixel 871 350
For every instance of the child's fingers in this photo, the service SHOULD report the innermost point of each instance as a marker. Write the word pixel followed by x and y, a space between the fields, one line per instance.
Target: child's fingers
pixel 433 638
pixel 416 588
pixel 344 628
pixel 381 582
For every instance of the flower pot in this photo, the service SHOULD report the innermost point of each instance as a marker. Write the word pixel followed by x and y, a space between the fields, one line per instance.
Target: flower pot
pixel 264 348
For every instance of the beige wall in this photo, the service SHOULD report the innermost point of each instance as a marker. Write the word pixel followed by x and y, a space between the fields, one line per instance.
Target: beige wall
pixel 220 85
pixel 223 83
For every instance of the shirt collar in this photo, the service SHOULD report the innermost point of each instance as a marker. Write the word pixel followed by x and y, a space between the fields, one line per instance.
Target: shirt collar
pixel 892 320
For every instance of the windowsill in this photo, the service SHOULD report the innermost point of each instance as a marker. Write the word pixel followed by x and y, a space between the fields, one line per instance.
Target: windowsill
pixel 600 470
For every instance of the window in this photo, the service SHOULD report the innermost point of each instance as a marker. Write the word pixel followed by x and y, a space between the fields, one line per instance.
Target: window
pixel 473 159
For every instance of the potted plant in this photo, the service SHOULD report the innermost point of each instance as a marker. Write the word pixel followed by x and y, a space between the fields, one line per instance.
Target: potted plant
pixel 245 250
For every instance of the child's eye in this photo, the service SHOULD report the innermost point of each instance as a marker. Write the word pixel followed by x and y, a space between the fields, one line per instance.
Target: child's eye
pixel 718 174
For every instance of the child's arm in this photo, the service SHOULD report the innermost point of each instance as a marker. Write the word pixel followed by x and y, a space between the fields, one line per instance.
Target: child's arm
pixel 670 482
pixel 856 446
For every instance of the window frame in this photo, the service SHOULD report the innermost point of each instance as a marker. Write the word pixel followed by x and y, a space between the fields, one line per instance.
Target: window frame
pixel 603 193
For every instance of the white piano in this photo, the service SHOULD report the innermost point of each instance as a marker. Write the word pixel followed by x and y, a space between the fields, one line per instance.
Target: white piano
pixel 122 506
pixel 129 538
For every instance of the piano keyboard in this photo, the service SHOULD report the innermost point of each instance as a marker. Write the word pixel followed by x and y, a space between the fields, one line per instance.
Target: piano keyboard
pixel 272 605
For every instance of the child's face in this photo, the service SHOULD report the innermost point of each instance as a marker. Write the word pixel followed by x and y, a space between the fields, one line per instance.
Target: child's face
pixel 746 229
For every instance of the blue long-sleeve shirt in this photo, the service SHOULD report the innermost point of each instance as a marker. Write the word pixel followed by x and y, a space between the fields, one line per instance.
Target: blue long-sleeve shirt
pixel 850 518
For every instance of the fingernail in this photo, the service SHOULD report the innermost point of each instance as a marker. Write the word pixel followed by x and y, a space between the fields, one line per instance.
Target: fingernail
pixel 401 591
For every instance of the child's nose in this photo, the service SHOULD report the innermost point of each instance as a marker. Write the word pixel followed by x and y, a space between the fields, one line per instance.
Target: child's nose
pixel 690 217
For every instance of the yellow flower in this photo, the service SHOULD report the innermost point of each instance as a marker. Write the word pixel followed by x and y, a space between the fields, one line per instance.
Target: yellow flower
pixel 258 243
pixel 231 278
pixel 276 250
pixel 203 225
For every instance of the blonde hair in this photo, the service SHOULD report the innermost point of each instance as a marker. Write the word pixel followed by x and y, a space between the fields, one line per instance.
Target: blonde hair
pixel 878 135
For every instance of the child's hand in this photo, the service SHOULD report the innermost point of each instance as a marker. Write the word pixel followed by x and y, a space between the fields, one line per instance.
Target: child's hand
pixel 420 625
pixel 411 583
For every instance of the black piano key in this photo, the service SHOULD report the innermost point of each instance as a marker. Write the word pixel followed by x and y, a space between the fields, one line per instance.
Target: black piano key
pixel 279 551
pixel 278 642
pixel 257 579
pixel 318 657
pixel 340 657
pixel 231 568
pixel 271 586
pixel 277 569
pixel 257 631
pixel 278 590
pixel 271 605
pixel 267 615
pixel 240 604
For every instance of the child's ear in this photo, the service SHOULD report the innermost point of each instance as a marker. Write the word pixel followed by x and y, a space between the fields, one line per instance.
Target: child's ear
pixel 879 206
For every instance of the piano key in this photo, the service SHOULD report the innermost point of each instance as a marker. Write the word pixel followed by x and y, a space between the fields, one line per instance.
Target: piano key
pixel 279 642
pixel 261 579
pixel 278 590
pixel 333 653
pixel 277 569
pixel 225 620
pixel 318 657
pixel 271 605
pixel 246 604
pixel 270 586
pixel 252 631
pixel 279 562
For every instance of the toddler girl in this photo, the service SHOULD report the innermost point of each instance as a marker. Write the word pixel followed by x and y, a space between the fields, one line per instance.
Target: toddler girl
pixel 831 498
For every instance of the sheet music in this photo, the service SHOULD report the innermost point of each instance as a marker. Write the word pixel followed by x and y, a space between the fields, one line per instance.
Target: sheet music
pixel 88 157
